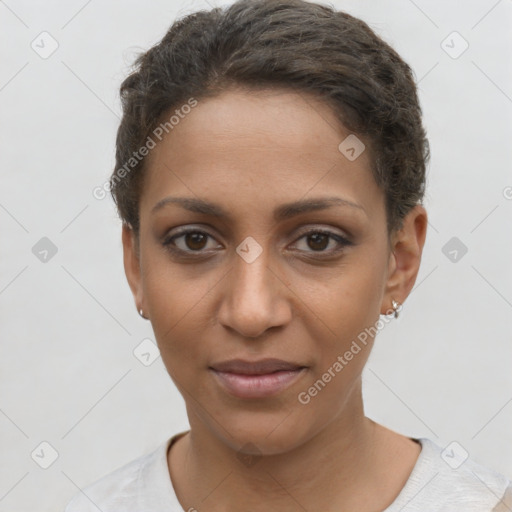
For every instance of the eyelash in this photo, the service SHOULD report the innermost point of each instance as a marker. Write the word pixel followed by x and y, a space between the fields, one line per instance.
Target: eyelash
pixel 169 245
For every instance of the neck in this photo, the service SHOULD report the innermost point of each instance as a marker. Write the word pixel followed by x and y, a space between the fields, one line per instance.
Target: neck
pixel 334 465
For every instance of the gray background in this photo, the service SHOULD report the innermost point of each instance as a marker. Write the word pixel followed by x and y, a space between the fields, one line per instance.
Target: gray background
pixel 69 327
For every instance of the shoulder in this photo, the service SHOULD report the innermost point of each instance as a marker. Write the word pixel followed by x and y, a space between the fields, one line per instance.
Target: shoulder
pixel 126 488
pixel 448 480
pixel 112 490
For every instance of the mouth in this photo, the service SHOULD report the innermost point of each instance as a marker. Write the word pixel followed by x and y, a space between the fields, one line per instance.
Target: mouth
pixel 257 379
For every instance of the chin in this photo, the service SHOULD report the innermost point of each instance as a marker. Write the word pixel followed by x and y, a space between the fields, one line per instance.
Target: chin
pixel 270 435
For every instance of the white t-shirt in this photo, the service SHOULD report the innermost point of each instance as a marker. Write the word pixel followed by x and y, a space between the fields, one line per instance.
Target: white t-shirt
pixel 144 485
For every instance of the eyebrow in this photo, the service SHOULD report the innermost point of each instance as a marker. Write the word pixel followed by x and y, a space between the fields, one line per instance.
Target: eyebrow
pixel 283 212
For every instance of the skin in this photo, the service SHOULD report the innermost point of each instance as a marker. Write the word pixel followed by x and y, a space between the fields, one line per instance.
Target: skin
pixel 300 300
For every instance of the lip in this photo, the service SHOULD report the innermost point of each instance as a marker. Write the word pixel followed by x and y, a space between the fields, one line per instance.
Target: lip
pixel 260 367
pixel 256 379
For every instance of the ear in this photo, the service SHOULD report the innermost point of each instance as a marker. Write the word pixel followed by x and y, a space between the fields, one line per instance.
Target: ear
pixel 131 259
pixel 405 257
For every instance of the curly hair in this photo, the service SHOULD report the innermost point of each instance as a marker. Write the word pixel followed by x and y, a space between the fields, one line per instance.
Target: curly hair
pixel 294 44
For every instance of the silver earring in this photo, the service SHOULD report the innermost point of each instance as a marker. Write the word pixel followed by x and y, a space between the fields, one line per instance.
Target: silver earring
pixel 141 313
pixel 396 307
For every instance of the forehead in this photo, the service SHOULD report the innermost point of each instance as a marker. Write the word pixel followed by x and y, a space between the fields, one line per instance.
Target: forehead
pixel 278 119
pixel 275 145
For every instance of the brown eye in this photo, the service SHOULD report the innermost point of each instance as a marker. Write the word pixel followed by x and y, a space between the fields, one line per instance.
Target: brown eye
pixel 322 242
pixel 189 241
pixel 318 241
pixel 195 240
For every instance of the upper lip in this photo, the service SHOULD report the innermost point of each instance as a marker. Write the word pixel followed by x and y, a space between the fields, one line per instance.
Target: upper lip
pixel 261 367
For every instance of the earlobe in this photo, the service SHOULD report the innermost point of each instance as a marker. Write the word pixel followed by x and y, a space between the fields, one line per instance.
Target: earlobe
pixel 131 260
pixel 405 258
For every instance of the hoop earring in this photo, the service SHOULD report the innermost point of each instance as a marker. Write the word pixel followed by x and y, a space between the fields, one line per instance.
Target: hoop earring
pixel 397 307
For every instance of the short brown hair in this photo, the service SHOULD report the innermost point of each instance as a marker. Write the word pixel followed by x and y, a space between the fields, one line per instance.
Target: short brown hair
pixel 294 44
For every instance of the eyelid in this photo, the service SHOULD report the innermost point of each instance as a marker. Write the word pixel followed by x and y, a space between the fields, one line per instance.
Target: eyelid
pixel 342 240
pixel 182 231
pixel 323 229
pixel 342 243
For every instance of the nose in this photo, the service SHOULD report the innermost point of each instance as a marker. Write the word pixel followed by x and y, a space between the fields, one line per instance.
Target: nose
pixel 255 298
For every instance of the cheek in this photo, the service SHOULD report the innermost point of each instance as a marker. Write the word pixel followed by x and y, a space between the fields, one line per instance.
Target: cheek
pixel 347 306
pixel 180 338
pixel 348 299
pixel 176 303
pixel 342 340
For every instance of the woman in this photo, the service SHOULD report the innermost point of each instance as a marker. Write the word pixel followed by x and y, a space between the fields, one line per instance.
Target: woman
pixel 270 170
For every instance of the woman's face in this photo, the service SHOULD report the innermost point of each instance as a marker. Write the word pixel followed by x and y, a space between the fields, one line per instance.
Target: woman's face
pixel 269 269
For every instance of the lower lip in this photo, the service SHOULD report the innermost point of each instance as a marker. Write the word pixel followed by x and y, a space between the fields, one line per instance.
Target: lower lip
pixel 257 386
